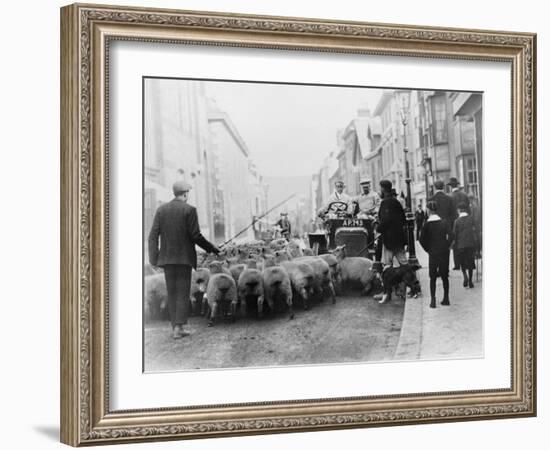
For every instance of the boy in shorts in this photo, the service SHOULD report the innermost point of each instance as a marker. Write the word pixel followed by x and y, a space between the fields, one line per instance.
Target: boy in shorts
pixel 436 238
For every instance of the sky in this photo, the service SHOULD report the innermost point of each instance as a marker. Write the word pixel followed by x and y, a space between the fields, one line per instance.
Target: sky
pixel 290 129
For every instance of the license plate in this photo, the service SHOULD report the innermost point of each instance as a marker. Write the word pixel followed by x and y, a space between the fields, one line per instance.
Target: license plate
pixel 352 223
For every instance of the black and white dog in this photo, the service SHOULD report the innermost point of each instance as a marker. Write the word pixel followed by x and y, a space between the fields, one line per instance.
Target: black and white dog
pixel 396 279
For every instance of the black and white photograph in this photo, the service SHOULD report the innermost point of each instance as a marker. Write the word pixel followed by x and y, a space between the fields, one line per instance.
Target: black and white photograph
pixel 296 224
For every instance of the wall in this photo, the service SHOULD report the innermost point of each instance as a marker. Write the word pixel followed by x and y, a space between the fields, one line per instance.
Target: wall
pixel 30 224
pixel 234 173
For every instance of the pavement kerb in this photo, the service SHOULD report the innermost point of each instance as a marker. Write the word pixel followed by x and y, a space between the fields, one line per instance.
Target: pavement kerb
pixel 410 339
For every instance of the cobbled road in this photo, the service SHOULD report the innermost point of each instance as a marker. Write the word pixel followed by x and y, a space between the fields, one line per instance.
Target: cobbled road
pixel 355 329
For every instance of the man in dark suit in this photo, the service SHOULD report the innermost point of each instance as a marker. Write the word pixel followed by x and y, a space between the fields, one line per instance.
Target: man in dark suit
pixel 458 195
pixel 466 244
pixel 446 208
pixel 445 204
pixel 419 217
pixel 177 225
pixel 391 223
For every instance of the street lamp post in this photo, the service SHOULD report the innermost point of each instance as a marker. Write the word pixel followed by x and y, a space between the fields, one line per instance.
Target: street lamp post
pixel 403 99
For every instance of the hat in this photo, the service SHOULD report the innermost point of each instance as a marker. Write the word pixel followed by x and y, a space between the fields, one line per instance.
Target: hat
pixel 386 184
pixel 365 181
pixel 439 185
pixel 181 186
pixel 453 182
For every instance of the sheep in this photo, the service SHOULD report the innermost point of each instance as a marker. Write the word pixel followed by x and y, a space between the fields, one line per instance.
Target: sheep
pixel 294 249
pixel 355 269
pixel 277 288
pixel 323 278
pixel 269 261
pixel 156 297
pixel 221 293
pixel 302 277
pixel 235 271
pixel 278 244
pixel 332 262
pixel 218 267
pixel 250 287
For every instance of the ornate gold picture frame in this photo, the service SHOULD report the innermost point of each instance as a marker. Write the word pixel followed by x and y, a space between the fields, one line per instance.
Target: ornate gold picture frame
pixel 87 31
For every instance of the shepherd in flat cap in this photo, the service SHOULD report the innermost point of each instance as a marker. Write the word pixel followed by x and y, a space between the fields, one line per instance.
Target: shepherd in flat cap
pixel 177 225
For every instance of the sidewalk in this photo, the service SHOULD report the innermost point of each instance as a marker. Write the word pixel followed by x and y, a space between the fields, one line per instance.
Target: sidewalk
pixel 454 331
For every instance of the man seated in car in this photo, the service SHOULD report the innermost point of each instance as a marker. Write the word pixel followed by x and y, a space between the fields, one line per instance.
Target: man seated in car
pixel 339 198
pixel 367 203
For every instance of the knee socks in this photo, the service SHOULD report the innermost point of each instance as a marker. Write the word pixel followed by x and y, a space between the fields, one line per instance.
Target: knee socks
pixel 445 288
pixel 432 287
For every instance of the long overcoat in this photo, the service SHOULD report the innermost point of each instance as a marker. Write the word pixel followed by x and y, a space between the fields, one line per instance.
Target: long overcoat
pixel 391 223
pixel 176 224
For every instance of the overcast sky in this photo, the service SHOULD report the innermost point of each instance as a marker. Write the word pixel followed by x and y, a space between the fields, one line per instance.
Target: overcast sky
pixel 290 129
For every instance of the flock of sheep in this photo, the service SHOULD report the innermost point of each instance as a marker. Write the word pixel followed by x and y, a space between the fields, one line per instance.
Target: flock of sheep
pixel 256 278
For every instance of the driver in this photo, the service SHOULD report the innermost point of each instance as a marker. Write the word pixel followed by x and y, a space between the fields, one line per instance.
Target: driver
pixel 368 202
pixel 338 196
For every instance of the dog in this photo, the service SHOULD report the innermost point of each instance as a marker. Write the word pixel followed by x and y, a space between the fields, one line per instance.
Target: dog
pixel 396 279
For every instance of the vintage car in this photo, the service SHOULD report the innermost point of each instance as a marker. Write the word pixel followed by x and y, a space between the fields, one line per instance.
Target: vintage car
pixel 341 228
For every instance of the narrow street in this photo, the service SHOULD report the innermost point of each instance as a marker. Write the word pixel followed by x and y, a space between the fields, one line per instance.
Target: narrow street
pixel 355 329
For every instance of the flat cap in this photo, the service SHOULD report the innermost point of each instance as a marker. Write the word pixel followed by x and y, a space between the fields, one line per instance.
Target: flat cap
pixel 181 186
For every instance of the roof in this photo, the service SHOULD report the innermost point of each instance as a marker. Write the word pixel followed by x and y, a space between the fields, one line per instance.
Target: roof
pixel 217 115
pixel 384 100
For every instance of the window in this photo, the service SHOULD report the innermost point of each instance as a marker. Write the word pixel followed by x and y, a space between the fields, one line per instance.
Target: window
pixel 440 119
pixel 471 175
pixel 468 137
pixel 418 162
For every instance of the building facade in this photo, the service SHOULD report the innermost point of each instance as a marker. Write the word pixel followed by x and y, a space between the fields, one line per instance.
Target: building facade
pixel 441 137
pixel 467 109
pixel 234 198
pixel 175 146
pixel 187 137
